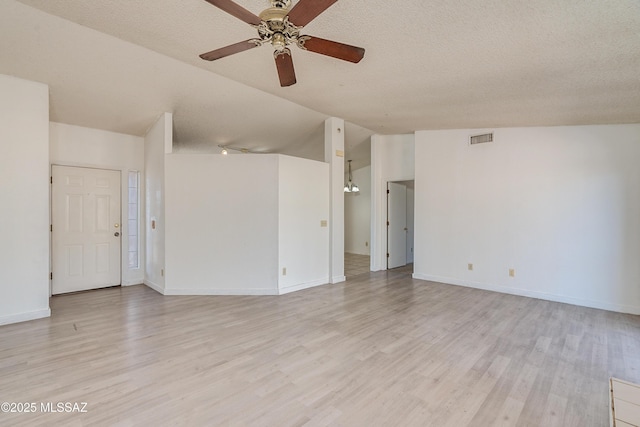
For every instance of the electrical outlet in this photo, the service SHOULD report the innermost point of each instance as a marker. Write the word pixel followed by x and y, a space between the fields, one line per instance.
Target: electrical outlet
pixel 284 271
pixel 512 272
pixel 469 266
pixel 162 272
pixel 366 244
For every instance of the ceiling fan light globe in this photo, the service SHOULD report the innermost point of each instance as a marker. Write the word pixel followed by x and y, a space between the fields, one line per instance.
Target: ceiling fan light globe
pixel 279 42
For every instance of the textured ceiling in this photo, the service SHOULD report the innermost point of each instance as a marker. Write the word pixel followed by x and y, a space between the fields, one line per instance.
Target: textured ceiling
pixel 428 65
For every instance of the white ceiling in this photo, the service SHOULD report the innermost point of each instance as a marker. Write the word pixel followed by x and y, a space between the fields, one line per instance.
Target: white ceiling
pixel 428 65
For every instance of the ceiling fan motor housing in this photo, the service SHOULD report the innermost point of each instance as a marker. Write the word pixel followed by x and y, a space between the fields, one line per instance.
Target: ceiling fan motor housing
pixel 274 14
pixel 276 28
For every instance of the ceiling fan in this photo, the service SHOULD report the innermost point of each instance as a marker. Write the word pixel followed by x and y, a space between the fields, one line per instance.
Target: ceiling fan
pixel 280 25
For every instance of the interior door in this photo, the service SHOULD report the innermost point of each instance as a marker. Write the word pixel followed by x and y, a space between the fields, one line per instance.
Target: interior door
pixel 396 225
pixel 85 212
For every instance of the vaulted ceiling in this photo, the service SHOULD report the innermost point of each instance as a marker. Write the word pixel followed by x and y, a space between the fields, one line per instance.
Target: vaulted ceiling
pixel 429 64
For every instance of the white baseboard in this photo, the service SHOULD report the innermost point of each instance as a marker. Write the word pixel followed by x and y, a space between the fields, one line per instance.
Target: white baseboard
pixel 620 308
pixel 208 291
pixel 155 286
pixel 338 279
pixel 243 291
pixel 23 317
pixel 301 286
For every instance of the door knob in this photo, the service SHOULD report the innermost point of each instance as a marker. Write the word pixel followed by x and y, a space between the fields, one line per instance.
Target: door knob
pixel 116 234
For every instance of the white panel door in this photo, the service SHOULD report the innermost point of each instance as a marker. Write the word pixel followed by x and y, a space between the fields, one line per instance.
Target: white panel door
pixel 396 225
pixel 85 212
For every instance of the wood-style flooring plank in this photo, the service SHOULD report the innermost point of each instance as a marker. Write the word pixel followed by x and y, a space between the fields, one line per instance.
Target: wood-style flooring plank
pixel 380 349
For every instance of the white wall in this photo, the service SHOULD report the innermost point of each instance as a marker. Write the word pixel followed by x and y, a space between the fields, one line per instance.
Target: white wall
pixel 357 213
pixel 24 197
pixel 392 159
pixel 94 148
pixel 303 203
pixel 157 143
pixel 221 224
pixel 559 205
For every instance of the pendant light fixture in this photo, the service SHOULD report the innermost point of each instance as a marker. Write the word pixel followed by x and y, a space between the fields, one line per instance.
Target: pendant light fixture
pixel 351 187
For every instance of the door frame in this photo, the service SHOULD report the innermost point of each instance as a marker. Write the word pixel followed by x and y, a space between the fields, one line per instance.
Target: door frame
pixel 388 223
pixel 123 223
pixel 380 228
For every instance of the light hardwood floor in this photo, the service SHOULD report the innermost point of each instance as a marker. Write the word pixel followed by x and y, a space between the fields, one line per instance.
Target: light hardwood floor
pixel 380 350
pixel 355 264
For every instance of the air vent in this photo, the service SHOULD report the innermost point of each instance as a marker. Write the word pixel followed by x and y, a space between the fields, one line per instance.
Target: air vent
pixel 481 139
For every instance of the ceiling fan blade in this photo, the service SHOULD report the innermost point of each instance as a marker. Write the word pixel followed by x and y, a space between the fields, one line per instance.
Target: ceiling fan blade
pixel 229 50
pixel 330 48
pixel 306 11
pixel 236 10
pixel 284 63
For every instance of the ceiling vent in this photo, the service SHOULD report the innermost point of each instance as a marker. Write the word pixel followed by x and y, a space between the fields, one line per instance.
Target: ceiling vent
pixel 481 139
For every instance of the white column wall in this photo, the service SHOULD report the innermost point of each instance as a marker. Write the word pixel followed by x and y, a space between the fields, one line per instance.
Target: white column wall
pixel 24 198
pixel 303 239
pixel 157 144
pixel 334 155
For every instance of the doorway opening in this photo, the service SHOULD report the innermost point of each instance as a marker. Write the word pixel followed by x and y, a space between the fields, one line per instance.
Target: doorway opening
pixel 357 224
pixel 400 224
